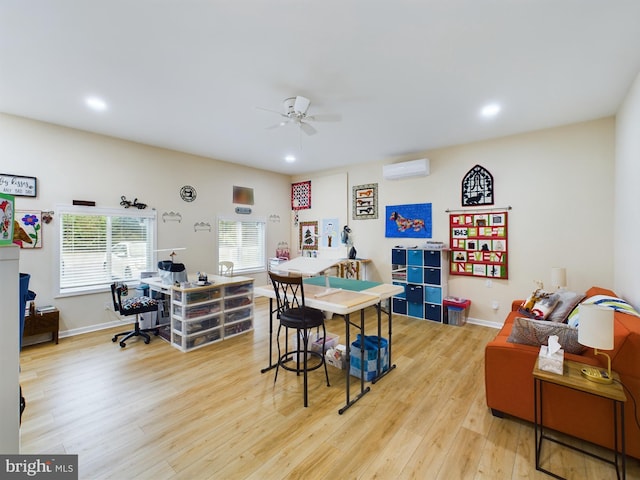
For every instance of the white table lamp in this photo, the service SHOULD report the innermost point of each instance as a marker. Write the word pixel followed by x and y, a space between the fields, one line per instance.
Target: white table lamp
pixel 558 277
pixel 595 329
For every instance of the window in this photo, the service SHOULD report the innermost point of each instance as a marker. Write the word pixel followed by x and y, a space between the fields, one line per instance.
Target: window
pixel 243 243
pixel 98 246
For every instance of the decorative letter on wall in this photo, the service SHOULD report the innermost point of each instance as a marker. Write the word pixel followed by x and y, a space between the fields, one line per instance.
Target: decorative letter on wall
pixel 479 244
pixel 477 187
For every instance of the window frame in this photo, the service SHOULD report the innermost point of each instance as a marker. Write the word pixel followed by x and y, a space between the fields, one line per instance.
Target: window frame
pixel 105 212
pixel 237 268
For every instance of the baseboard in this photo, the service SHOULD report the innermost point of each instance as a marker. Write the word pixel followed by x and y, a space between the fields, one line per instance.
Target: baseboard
pixel 484 323
pixel 91 328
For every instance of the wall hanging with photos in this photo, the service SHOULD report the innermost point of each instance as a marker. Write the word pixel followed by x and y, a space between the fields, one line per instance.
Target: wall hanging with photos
pixel 479 244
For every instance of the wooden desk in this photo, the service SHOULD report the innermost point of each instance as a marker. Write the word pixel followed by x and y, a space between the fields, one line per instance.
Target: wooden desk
pixel 572 378
pixel 344 299
pixel 45 322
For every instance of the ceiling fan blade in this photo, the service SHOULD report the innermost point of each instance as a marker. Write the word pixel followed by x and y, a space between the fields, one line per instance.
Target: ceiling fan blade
pixel 302 104
pixel 325 117
pixel 272 111
pixel 308 129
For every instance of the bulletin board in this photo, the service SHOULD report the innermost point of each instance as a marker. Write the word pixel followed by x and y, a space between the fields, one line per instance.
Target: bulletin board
pixel 479 244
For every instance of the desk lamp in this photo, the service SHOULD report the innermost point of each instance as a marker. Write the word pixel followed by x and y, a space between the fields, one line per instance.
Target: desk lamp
pixel 595 329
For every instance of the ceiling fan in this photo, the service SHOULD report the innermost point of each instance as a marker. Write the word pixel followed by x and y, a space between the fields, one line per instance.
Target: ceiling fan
pixel 295 110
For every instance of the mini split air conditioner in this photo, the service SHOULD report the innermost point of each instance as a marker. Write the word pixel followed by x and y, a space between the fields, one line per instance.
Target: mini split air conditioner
pixel 414 168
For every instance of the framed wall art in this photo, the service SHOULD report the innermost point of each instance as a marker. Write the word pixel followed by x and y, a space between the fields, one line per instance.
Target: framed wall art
pixel 308 235
pixel 301 195
pixel 18 185
pixel 479 244
pixel 28 226
pixel 408 221
pixel 477 187
pixel 243 195
pixel 365 201
pixel 7 212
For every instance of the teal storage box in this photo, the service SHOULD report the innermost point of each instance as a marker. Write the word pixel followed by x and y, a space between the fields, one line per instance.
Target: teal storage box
pixel 370 355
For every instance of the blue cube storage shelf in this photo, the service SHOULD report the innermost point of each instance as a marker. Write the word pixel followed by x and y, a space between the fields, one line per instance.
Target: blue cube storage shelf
pixel 424 275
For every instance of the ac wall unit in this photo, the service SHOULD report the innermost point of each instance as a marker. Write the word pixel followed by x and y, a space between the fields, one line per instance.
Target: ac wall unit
pixel 414 168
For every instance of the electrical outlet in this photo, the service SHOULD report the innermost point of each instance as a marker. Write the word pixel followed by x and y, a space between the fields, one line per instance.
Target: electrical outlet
pixel 488 283
pixel 495 305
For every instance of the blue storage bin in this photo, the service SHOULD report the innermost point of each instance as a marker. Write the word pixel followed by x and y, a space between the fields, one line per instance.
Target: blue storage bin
pixel 414 257
pixel 432 276
pixel 399 256
pixel 432 258
pixel 415 310
pixel 433 294
pixel 414 274
pixel 414 293
pixel 399 306
pixel 432 312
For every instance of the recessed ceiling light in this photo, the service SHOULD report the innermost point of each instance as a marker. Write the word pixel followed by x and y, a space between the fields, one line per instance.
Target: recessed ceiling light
pixel 97 104
pixel 290 158
pixel 490 110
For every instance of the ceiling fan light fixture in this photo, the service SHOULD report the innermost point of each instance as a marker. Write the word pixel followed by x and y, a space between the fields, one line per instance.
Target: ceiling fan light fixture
pixel 301 104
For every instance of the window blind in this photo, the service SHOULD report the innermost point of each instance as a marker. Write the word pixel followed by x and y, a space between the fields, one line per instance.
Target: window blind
pixel 100 246
pixel 243 243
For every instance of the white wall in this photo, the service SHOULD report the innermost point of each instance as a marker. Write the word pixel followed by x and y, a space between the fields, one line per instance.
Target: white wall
pixel 74 165
pixel 627 212
pixel 558 181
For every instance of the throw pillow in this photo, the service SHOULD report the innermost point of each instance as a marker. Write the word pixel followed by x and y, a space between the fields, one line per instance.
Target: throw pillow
pixel 537 332
pixel 567 301
pixel 617 304
pixel 539 304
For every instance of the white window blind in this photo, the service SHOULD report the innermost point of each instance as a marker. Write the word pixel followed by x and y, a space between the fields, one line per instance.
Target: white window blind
pixel 99 246
pixel 242 241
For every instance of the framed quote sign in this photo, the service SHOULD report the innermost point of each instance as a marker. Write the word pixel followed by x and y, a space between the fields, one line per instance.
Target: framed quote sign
pixel 479 244
pixel 18 185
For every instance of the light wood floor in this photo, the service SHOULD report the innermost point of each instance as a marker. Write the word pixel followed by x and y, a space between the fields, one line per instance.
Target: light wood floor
pixel 153 412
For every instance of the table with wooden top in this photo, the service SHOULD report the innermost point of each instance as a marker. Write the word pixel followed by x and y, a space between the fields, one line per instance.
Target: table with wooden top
pixel 572 378
pixel 341 296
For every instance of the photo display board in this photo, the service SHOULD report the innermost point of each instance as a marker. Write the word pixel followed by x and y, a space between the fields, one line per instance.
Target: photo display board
pixel 479 244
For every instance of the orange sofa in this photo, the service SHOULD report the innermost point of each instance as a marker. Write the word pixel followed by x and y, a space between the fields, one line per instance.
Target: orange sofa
pixel 509 383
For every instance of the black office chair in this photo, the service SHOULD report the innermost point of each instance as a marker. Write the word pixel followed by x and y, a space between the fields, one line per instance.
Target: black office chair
pixel 132 306
pixel 292 313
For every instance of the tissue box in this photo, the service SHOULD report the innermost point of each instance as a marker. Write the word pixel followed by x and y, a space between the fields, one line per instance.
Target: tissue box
pixel 551 363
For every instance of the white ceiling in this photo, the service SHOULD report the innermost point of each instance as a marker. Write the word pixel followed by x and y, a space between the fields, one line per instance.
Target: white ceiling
pixel 405 75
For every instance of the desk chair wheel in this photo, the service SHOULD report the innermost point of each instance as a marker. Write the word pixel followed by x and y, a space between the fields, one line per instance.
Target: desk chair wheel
pixel 122 344
pixel 114 339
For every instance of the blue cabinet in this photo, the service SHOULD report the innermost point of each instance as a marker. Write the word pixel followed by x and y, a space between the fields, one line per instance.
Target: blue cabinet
pixel 424 274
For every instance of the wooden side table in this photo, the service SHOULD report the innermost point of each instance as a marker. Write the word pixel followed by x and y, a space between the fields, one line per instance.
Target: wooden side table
pixel 45 322
pixel 572 378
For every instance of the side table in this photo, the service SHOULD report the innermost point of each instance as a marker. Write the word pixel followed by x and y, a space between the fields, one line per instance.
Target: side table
pixel 45 322
pixel 572 378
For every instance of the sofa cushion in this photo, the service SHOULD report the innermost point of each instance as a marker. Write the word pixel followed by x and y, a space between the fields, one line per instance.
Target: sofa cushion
pixel 539 304
pixel 528 331
pixel 609 301
pixel 567 301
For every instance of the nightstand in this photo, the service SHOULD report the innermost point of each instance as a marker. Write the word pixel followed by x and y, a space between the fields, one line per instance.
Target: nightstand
pixel 45 322
pixel 572 378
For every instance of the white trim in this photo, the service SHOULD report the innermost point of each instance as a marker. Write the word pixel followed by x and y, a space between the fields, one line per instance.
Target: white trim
pixel 485 323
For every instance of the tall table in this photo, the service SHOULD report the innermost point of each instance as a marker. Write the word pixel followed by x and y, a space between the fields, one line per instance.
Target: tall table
pixel 342 297
pixel 572 378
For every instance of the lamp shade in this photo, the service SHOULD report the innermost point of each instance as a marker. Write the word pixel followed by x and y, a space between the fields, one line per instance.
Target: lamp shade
pixel 595 327
pixel 558 277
